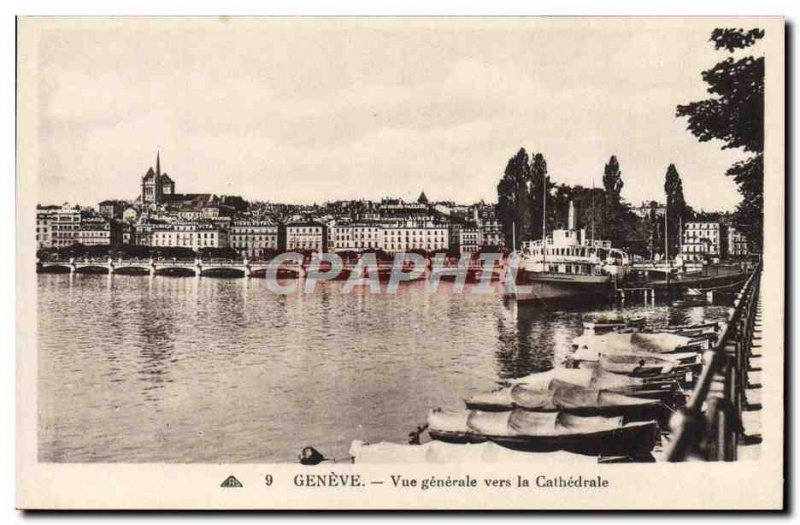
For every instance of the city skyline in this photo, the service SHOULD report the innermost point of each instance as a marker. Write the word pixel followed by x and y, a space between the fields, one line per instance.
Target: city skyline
pixel 381 111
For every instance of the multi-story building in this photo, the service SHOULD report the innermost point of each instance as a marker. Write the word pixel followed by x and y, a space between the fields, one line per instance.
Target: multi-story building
pixel 253 238
pixel 737 243
pixel 703 241
pixel 485 217
pixel 126 233
pixel 45 216
pixel 111 208
pixel 194 235
pixel 143 231
pixel 97 230
pixel 307 236
pixel 465 238
pixel 404 236
pixel 65 226
pixel 355 236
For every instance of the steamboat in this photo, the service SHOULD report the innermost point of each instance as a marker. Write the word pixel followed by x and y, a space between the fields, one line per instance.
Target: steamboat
pixel 568 265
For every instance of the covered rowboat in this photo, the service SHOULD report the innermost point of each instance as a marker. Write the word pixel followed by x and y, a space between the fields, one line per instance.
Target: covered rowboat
pixel 666 389
pixel 648 342
pixel 567 398
pixel 544 431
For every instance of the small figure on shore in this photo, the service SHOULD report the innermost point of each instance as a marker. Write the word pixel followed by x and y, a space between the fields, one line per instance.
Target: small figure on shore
pixel 310 456
pixel 414 436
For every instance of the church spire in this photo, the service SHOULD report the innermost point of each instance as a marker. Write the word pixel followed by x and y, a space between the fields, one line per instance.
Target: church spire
pixel 158 163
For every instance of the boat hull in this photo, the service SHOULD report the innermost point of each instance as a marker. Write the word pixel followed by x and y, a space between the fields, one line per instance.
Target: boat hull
pixel 648 412
pixel 630 439
pixel 536 286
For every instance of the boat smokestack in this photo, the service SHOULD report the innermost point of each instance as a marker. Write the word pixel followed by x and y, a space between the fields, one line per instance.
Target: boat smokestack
pixel 572 217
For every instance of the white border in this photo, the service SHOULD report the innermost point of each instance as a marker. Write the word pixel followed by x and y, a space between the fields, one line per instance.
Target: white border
pixel 464 7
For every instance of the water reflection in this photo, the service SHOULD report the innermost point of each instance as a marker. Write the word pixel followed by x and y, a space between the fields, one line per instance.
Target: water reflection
pixel 197 369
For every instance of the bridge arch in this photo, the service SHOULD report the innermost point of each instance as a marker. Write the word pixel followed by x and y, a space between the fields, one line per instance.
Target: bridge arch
pixel 132 270
pixel 222 271
pixel 54 268
pixel 175 271
pixel 91 268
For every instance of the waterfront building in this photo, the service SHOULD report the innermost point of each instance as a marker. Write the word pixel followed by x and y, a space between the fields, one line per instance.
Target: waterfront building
pixel 157 187
pixel 737 243
pixel 143 231
pixel 126 233
pixel 306 236
pixel 703 241
pixel 465 238
pixel 355 236
pixel 45 216
pixel 489 229
pixel 253 238
pixel 65 226
pixel 97 230
pixel 195 235
pixel 404 236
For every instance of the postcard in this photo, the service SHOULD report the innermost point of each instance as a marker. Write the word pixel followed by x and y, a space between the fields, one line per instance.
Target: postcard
pixel 400 263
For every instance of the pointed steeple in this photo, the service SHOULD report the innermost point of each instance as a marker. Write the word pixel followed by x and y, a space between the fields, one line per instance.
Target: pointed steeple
pixel 423 199
pixel 158 163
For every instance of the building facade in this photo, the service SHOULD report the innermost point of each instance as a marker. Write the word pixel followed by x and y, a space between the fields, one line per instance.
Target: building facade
pixel 253 238
pixel 45 216
pixel 97 230
pixel 65 226
pixel 410 235
pixel 703 241
pixel 737 243
pixel 356 237
pixel 489 229
pixel 194 235
pixel 306 236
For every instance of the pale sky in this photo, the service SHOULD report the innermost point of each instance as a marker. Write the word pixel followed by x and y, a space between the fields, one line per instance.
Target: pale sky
pixel 305 110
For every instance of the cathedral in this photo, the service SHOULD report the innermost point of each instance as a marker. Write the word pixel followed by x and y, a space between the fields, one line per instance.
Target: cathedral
pixel 157 187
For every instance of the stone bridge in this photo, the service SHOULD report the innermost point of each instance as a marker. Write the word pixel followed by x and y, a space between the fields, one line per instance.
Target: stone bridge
pixel 200 267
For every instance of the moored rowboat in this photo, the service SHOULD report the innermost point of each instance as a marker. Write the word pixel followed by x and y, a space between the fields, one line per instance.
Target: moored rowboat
pixel 544 431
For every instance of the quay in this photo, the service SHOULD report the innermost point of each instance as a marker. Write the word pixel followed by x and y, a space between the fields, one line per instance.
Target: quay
pixel 721 420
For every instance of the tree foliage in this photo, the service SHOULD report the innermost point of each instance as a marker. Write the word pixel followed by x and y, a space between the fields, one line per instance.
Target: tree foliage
pixel 676 207
pixel 735 115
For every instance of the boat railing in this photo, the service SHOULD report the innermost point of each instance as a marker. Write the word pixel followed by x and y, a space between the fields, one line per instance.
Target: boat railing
pixel 709 425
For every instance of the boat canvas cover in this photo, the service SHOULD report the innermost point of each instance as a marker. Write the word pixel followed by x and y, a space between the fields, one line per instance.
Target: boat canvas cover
pixel 525 423
pixel 448 420
pixel 616 342
pixel 441 452
pixel 567 396
pixel 626 364
pixel 518 422
pixel 589 378
pixel 557 396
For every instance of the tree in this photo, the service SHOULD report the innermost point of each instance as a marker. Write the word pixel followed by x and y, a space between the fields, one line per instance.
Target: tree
pixel 735 116
pixel 513 198
pixel 676 208
pixel 612 183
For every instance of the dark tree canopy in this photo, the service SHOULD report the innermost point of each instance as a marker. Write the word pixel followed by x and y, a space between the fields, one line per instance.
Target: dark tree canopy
pixel 676 207
pixel 735 116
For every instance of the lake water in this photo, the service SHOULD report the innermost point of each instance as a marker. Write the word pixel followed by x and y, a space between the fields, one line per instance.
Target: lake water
pixel 176 369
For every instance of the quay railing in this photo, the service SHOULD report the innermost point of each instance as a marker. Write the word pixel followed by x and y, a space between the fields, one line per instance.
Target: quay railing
pixel 709 426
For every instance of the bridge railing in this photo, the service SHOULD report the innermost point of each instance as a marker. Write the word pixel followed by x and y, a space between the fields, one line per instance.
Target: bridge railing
pixel 709 426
